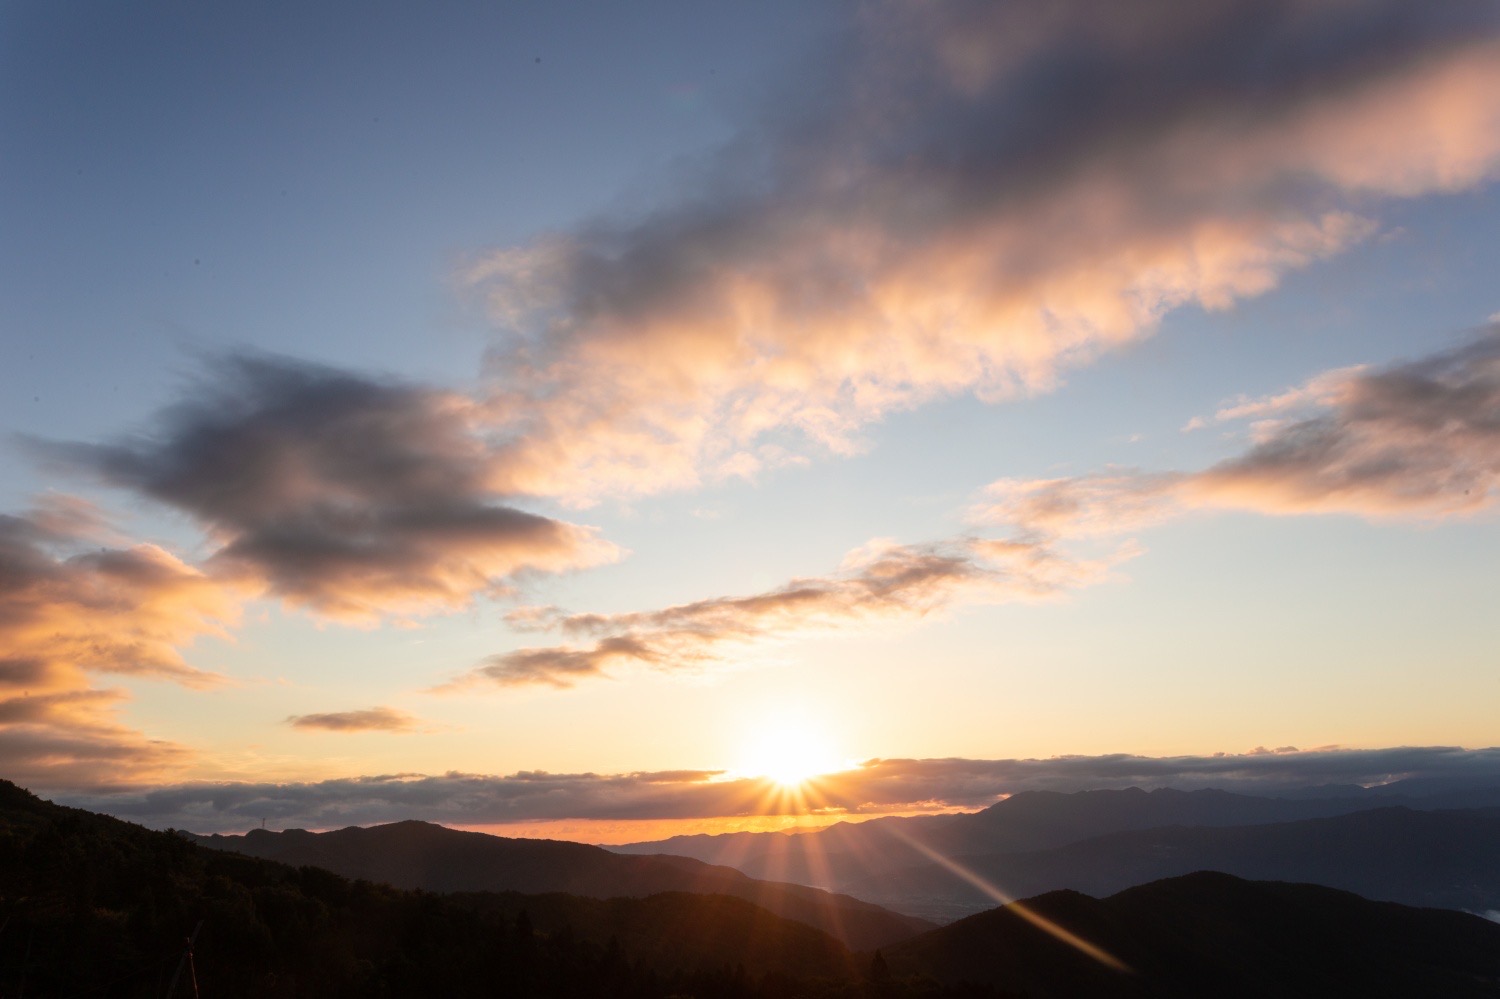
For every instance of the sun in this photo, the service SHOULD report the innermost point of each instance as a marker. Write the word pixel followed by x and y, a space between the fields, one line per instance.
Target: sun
pixel 789 754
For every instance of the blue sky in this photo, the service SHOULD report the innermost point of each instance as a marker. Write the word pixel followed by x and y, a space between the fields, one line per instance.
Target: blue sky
pixel 504 388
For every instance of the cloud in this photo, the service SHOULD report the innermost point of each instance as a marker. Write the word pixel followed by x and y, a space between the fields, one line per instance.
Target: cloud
pixel 71 610
pixel 1323 390
pixel 880 582
pixel 972 197
pixel 1083 506
pixel 377 719
pixel 1419 439
pixel 67 605
pixel 345 495
pixel 876 787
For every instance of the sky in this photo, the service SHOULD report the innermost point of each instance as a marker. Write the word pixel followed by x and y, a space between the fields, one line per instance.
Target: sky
pixel 566 420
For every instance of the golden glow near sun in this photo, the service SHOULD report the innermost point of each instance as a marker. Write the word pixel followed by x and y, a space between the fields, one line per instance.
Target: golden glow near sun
pixel 789 753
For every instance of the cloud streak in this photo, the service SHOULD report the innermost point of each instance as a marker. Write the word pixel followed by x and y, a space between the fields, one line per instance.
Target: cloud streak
pixel 1414 440
pixel 881 582
pixel 377 719
pixel 876 787
pixel 973 197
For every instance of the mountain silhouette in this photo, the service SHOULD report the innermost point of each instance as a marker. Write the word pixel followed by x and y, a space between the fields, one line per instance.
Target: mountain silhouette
pixel 421 855
pixel 1449 859
pixel 91 905
pixel 1210 934
pixel 872 859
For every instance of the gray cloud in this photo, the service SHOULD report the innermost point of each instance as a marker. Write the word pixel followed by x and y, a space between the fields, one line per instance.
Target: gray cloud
pixel 377 719
pixel 973 196
pixel 876 787
pixel 346 495
pixel 1419 439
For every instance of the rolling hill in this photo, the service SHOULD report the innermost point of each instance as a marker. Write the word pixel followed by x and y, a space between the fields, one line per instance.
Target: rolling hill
pixel 91 905
pixel 421 855
pixel 1449 859
pixel 1030 842
pixel 1209 934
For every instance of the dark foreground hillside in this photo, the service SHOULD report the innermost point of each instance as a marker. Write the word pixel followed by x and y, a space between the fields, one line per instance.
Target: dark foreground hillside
pixel 92 906
pixel 1210 934
pixel 434 858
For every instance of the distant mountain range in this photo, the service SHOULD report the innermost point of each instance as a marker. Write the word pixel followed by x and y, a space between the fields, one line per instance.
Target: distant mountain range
pixel 1449 859
pixel 421 855
pixel 90 905
pixel 1103 841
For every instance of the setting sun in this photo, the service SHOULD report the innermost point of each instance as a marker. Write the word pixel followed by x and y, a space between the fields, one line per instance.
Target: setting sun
pixel 789 753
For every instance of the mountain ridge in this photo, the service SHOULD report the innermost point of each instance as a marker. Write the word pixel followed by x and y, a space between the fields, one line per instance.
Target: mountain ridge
pixel 93 904
pixel 1210 933
pixel 1441 858
pixel 422 855
pixel 848 857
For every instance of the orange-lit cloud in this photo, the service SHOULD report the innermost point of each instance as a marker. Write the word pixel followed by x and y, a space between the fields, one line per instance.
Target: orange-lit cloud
pixel 1416 440
pixel 977 197
pixel 346 495
pixel 876 787
pixel 69 610
pixel 877 583
pixel 377 719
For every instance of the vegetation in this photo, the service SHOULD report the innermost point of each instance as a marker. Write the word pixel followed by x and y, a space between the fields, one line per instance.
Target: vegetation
pixel 92 906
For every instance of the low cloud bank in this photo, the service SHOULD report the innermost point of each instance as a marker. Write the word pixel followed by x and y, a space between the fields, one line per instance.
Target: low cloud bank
pixel 877 787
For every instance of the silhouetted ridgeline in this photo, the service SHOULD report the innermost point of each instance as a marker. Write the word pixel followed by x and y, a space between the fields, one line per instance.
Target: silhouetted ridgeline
pixel 1428 851
pixel 1448 859
pixel 1212 935
pixel 435 858
pixel 95 906
pixel 90 905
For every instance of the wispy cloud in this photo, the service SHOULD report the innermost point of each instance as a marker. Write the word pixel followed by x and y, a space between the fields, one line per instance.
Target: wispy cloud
pixel 377 719
pixel 350 496
pixel 881 582
pixel 876 787
pixel 971 197
pixel 1419 440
